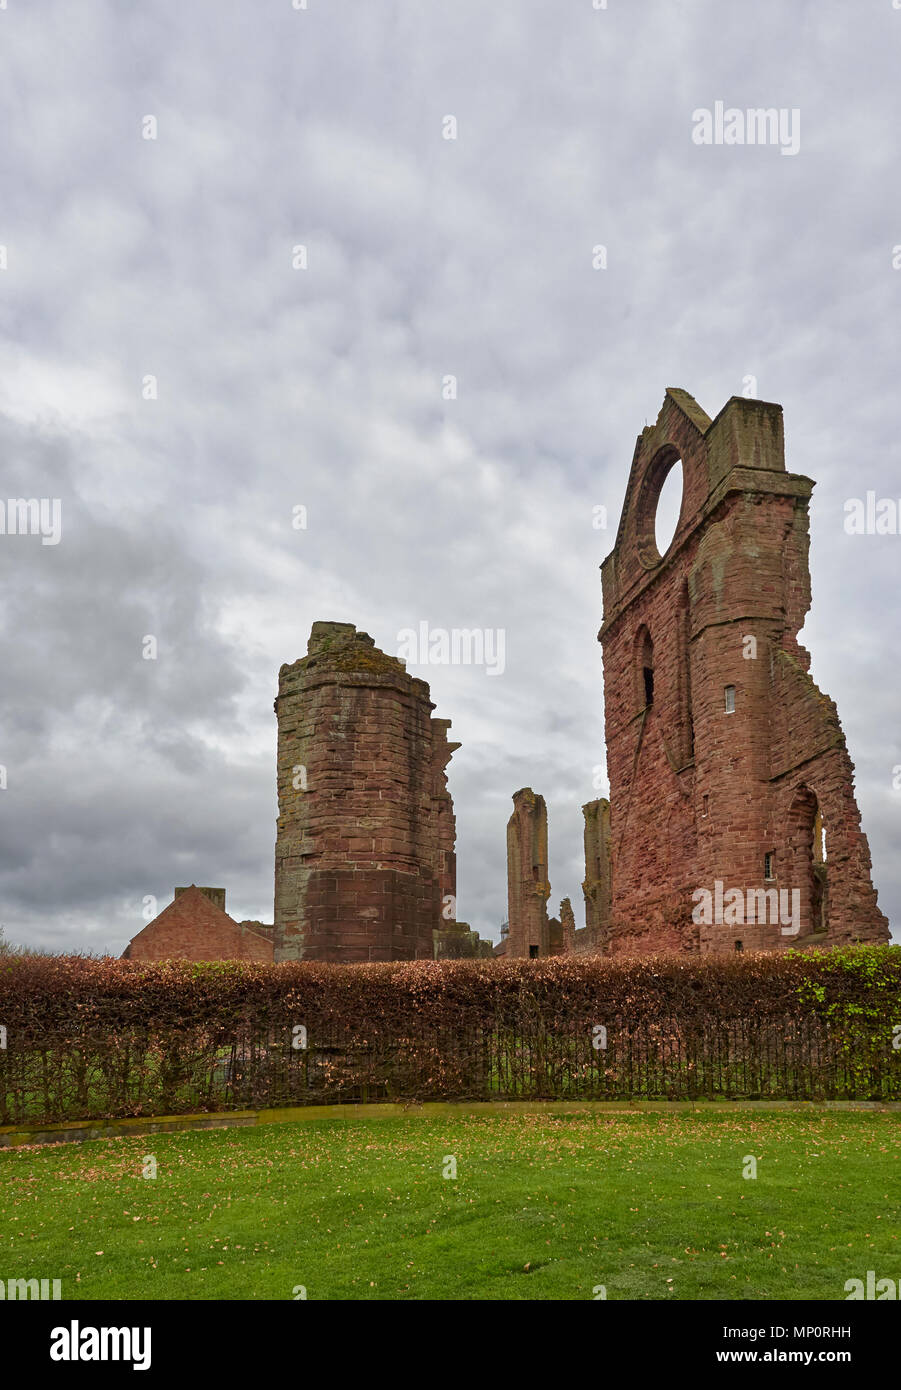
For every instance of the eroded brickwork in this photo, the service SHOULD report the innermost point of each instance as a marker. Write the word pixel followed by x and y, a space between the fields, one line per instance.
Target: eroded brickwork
pixel 445 821
pixel 727 764
pixel 365 861
pixel 528 888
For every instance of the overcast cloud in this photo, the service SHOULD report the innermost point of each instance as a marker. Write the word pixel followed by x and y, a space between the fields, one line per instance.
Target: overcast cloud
pixel 128 257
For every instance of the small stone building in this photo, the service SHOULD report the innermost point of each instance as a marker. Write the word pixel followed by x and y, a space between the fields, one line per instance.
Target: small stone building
pixel 195 926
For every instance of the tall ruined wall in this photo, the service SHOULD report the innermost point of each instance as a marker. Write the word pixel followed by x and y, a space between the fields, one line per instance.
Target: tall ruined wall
pixel 562 931
pixel 365 841
pixel 528 888
pixel 445 821
pixel 723 756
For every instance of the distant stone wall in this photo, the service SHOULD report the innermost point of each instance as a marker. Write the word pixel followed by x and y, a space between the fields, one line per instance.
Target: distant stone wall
pixel 459 942
pixel 264 929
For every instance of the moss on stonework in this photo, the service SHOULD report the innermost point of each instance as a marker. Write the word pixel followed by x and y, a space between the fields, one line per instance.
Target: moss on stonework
pixel 354 657
pixel 348 651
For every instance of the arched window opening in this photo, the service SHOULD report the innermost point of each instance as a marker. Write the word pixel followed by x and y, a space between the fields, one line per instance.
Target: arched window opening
pixel 645 668
pixel 807 849
pixel 820 883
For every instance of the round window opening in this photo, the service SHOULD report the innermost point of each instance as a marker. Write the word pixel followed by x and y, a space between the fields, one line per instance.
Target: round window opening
pixel 669 505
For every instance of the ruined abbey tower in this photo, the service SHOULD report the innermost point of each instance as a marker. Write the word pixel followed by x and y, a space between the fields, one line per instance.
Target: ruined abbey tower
pixel 726 762
pixel 364 860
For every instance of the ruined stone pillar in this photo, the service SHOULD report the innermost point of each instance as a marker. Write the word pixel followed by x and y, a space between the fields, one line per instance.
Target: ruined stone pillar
pixel 596 886
pixel 528 888
pixel 445 822
pixel 568 923
pixel 364 847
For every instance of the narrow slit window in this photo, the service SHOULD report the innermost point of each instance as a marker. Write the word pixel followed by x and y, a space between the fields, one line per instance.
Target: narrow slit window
pixel 730 699
pixel 769 866
pixel 739 947
pixel 644 668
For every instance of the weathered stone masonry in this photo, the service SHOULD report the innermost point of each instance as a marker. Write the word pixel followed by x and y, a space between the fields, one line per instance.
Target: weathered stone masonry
pixel 596 884
pixel 726 762
pixel 530 932
pixel 528 888
pixel 364 863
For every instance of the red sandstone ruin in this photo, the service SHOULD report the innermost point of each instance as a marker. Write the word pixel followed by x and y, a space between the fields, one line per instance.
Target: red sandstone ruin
pixel 726 762
pixel 732 822
pixel 365 868
pixel 528 888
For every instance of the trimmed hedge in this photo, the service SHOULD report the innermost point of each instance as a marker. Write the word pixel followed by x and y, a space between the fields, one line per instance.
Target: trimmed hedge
pixel 92 1038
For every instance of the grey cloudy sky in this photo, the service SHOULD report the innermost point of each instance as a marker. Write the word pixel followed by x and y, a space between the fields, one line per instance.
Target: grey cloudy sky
pixel 322 387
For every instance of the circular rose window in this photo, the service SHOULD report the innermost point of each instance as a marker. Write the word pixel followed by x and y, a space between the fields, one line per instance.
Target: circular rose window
pixel 669 505
pixel 659 505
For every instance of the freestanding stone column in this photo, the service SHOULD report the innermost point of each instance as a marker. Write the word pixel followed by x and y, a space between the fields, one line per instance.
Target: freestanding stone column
pixel 596 884
pixel 568 923
pixel 528 888
pixel 365 842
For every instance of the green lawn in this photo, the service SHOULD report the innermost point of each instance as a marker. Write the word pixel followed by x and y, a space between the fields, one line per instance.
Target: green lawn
pixel 651 1206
